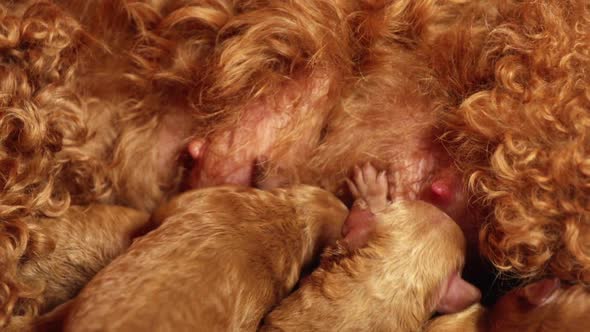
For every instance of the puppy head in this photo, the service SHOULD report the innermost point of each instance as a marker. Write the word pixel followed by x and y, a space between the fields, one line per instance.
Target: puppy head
pixel 426 253
pixel 543 306
pixel 410 266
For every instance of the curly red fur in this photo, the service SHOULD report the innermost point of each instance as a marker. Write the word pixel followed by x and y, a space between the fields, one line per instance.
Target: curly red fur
pixel 89 89
pixel 68 131
pixel 85 100
pixel 520 131
pixel 42 126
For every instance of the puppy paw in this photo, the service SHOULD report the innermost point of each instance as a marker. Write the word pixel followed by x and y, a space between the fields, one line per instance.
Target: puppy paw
pixel 369 187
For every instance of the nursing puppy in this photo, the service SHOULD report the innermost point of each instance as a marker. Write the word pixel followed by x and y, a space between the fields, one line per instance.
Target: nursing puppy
pixel 540 306
pixel 221 258
pixel 73 248
pixel 398 264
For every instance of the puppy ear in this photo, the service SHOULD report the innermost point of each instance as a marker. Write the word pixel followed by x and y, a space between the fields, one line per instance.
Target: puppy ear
pixel 456 295
pixel 358 228
pixel 540 292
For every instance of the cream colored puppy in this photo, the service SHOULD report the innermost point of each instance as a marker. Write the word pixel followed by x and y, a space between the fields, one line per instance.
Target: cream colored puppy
pixel 543 305
pixel 399 262
pixel 221 259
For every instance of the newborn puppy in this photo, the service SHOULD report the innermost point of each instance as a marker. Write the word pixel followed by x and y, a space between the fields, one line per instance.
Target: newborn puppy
pixel 83 241
pixel 222 257
pixel 397 264
pixel 541 306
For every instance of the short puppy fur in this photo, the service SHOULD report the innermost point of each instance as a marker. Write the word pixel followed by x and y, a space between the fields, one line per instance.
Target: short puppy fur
pixel 544 305
pixel 221 258
pixel 75 246
pixel 397 264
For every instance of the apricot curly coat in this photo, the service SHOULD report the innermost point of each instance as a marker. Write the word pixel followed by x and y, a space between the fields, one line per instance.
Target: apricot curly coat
pixel 518 127
pixel 87 89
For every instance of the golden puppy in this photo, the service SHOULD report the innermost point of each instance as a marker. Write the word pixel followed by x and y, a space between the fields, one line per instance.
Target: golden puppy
pixel 539 306
pixel 397 265
pixel 543 306
pixel 220 260
pixel 80 243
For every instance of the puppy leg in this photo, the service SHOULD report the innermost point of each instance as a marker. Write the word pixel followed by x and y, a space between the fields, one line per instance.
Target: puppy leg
pixel 369 187
pixel 370 191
